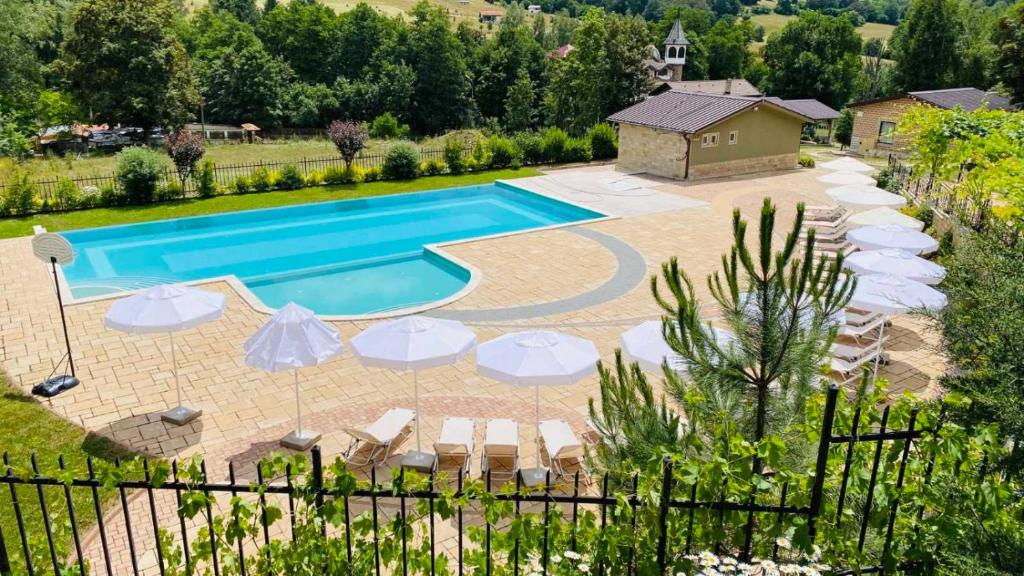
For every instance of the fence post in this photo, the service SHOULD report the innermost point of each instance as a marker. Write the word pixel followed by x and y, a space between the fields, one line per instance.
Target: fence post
pixel 666 495
pixel 819 470
pixel 318 484
pixel 5 562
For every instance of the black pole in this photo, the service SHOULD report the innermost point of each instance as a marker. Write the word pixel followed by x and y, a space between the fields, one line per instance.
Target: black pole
pixel 63 320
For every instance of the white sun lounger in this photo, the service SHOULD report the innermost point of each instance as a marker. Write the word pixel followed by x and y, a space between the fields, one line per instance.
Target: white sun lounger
pixel 564 449
pixel 382 437
pixel 501 449
pixel 455 444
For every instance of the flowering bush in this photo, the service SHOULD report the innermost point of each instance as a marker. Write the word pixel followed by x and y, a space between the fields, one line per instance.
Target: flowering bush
pixel 709 564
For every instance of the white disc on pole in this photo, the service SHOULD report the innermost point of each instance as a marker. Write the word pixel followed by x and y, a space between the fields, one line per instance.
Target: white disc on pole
pixel 48 246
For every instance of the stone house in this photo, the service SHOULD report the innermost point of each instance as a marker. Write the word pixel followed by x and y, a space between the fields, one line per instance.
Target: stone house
pixel 875 121
pixel 688 135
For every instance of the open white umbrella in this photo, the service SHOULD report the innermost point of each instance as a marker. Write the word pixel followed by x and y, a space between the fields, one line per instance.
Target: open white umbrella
pixel 167 308
pixel 538 358
pixel 645 344
pixel 887 294
pixel 862 197
pixel 846 179
pixel 895 262
pixel 846 164
pixel 414 343
pixel 892 236
pixel 885 215
pixel 293 338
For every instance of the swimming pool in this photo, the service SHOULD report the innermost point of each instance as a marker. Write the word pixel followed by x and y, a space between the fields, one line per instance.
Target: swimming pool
pixel 350 257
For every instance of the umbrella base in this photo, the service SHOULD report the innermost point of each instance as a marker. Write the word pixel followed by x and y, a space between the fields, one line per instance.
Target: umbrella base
pixel 300 442
pixel 534 477
pixel 180 415
pixel 419 461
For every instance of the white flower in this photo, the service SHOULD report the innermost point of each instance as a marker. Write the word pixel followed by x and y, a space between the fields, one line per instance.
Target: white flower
pixel 572 555
pixel 585 568
pixel 556 559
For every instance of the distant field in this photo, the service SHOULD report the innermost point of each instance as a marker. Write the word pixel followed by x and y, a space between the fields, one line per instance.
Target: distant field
pixel 774 22
pixel 459 12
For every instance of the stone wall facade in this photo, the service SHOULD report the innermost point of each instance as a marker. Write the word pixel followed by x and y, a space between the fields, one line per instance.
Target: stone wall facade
pixel 744 166
pixel 867 122
pixel 657 152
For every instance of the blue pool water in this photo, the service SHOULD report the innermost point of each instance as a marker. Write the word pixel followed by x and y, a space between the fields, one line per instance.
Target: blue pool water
pixel 348 257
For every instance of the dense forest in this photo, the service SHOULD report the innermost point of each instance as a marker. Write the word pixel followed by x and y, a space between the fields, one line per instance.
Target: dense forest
pixel 150 63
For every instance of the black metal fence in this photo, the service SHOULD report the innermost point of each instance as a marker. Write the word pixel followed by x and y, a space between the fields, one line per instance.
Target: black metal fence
pixel 678 517
pixel 226 174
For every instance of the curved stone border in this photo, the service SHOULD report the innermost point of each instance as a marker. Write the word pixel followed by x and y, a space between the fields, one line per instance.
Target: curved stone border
pixel 632 269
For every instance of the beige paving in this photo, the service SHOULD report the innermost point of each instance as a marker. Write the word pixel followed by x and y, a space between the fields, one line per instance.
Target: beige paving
pixel 127 381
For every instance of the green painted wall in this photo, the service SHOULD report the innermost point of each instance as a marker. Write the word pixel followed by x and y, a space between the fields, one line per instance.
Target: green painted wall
pixel 762 132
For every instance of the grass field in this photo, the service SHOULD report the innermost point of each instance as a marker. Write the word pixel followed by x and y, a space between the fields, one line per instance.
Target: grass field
pixel 27 428
pixel 459 12
pixel 285 150
pixel 12 227
pixel 774 22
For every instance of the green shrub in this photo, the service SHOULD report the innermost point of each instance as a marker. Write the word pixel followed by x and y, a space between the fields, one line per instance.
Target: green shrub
pixel 137 173
pixel 402 161
pixel 604 141
pixel 241 185
pixel 89 198
pixel 806 161
pixel 19 196
pixel 576 150
pixel 66 196
pixel 110 196
pixel 314 178
pixel 553 144
pixel 502 150
pixel 335 175
pixel 471 164
pixel 170 191
pixel 386 127
pixel 261 180
pixel 432 167
pixel 454 156
pixel 373 174
pixel 531 147
pixel 290 178
pixel 481 154
pixel 206 182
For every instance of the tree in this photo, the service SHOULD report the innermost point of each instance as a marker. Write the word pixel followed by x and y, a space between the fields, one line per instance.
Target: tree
pixel 361 32
pixel 927 48
pixel 499 62
pixel 243 10
pixel 442 89
pixel 519 104
pixel 1009 40
pixel 185 149
pixel 306 36
pixel 844 127
pixel 241 82
pixel 728 48
pixel 349 138
pixel 125 65
pixel 814 56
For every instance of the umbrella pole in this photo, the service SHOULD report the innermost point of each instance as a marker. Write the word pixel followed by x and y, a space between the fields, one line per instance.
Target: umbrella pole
pixel 416 393
pixel 174 368
pixel 878 354
pixel 298 405
pixel 536 418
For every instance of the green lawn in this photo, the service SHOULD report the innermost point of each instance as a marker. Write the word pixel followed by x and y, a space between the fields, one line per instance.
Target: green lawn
pixel 11 227
pixel 27 427
pixel 774 22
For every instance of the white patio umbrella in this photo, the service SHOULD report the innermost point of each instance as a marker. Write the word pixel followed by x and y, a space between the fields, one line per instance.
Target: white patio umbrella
pixel 895 262
pixel 293 338
pixel 846 179
pixel 537 358
pixel 885 215
pixel 886 294
pixel 862 197
pixel 846 164
pixel 167 308
pixel 892 236
pixel 645 344
pixel 414 343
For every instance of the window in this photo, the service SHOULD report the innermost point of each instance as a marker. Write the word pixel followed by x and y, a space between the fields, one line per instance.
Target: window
pixel 672 52
pixel 734 137
pixel 709 140
pixel 886 132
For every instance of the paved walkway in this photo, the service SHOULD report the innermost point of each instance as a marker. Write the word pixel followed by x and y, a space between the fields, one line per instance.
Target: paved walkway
pixel 589 281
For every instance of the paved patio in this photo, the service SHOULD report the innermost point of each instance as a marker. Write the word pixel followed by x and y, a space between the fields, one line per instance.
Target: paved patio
pixel 127 382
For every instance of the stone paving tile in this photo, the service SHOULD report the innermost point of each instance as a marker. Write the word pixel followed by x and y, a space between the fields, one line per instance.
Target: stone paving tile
pixel 127 380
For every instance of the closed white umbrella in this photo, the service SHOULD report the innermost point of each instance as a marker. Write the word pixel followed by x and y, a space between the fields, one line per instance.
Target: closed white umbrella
pixel 885 215
pixel 538 358
pixel 845 164
pixel 863 197
pixel 846 179
pixel 895 262
pixel 414 343
pixel 167 308
pixel 293 338
pixel 645 344
pixel 892 236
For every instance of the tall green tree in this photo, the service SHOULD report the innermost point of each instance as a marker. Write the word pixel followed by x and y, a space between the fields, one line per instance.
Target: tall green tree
pixel 728 48
pixel 361 32
pixel 500 60
pixel 442 86
pixel 306 36
pixel 242 82
pixel 243 10
pixel 814 56
pixel 926 49
pixel 125 65
pixel 520 109
pixel 1009 41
